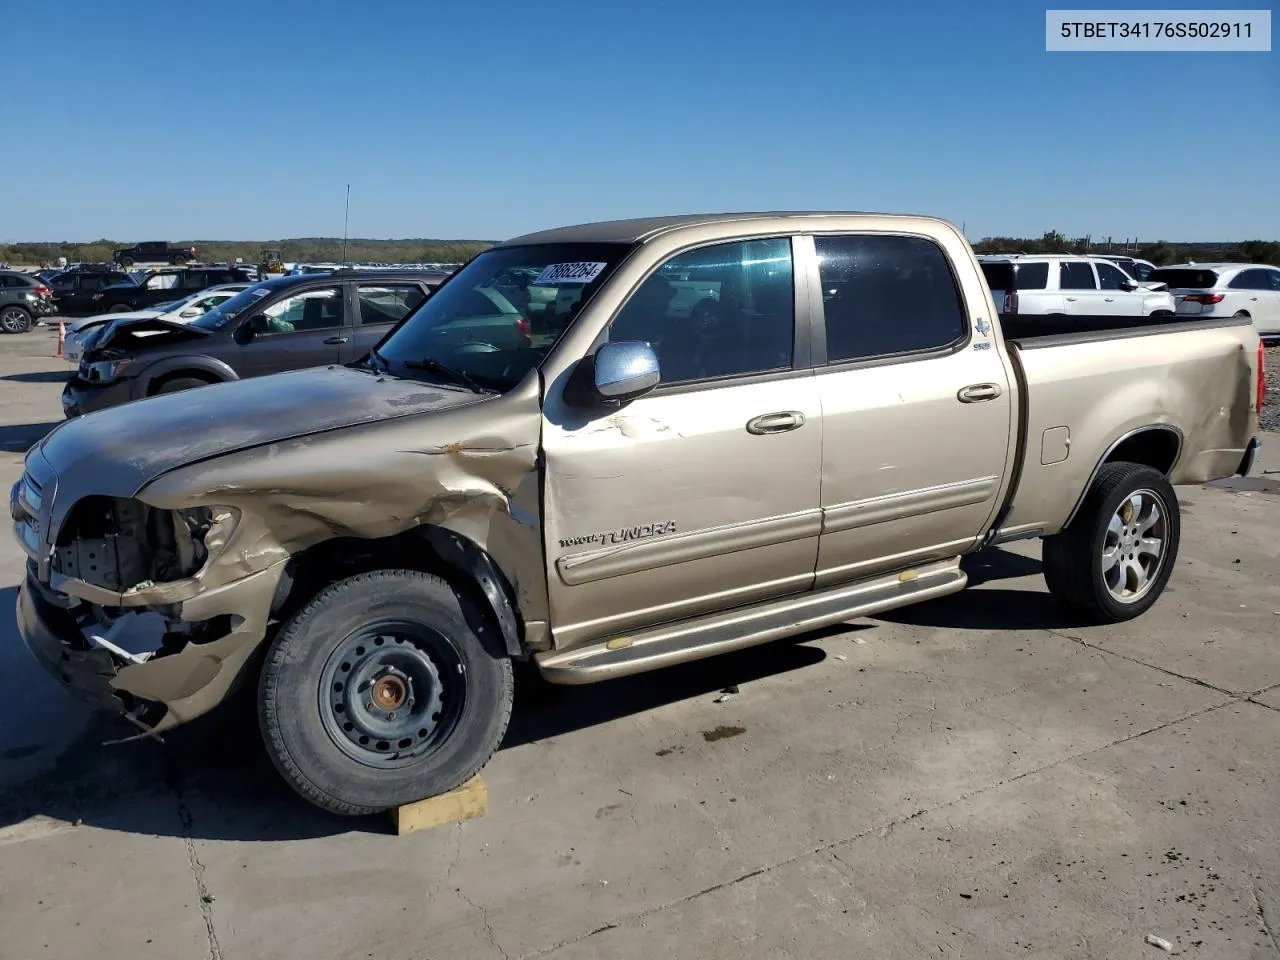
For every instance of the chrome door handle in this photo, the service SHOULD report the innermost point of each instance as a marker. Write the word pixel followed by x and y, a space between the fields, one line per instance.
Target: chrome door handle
pixel 1072 299
pixel 978 392
pixel 1109 299
pixel 775 422
pixel 335 340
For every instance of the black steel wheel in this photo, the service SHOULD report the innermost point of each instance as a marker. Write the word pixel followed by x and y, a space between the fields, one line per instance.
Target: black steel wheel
pixel 386 688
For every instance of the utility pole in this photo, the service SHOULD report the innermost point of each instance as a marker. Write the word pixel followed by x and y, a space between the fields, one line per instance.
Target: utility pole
pixel 346 216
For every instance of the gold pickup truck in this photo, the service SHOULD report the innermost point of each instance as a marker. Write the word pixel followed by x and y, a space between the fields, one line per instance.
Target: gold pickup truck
pixel 741 427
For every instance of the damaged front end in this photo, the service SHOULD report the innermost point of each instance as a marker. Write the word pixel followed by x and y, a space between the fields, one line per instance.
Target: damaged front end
pixel 120 606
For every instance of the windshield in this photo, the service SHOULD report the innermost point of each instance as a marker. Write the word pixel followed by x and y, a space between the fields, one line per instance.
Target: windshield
pixel 228 310
pixel 175 304
pixel 499 316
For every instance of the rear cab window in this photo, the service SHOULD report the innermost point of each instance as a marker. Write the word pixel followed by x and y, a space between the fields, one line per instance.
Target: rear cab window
pixel 885 295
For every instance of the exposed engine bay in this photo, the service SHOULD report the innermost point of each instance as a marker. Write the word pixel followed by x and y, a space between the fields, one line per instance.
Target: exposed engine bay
pixel 122 544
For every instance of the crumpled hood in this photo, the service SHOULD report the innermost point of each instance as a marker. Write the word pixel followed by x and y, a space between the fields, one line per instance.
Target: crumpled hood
pixel 116 452
pixel 75 326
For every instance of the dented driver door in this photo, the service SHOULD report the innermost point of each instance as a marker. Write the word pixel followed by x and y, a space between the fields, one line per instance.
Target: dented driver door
pixel 705 493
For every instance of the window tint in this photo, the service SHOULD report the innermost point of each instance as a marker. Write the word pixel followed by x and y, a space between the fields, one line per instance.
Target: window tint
pixel 1142 270
pixel 1251 280
pixel 719 311
pixel 885 295
pixel 313 310
pixel 1077 276
pixel 1275 279
pixel 388 303
pixel 1032 276
pixel 1109 277
pixel 91 281
pixel 1184 278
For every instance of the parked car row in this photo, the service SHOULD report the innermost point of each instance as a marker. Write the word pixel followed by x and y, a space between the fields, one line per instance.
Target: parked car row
pixel 280 324
pixel 1067 285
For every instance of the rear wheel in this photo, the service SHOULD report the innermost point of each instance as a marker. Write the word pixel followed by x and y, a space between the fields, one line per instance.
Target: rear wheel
pixel 119 308
pixel 15 320
pixel 1241 315
pixel 1114 560
pixel 386 688
pixel 1162 313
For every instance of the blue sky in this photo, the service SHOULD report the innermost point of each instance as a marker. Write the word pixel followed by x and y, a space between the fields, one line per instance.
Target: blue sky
pixel 484 120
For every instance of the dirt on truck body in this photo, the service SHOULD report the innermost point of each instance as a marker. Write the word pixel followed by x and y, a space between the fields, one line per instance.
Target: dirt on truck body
pixel 712 431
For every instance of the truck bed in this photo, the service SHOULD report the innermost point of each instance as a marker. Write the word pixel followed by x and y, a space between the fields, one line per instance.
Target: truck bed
pixel 1088 383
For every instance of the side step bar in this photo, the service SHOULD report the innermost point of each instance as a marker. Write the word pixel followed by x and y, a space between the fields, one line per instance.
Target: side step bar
pixel 721 632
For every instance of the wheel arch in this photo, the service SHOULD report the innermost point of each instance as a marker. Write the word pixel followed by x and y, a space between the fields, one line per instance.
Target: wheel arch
pixel 428 548
pixel 1155 445
pixel 192 366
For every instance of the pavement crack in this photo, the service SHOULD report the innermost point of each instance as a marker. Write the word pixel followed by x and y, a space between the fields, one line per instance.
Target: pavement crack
pixel 488 926
pixel 1153 666
pixel 1262 916
pixel 203 896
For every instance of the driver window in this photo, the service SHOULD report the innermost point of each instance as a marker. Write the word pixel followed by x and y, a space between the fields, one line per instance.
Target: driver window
pixel 314 310
pixel 726 310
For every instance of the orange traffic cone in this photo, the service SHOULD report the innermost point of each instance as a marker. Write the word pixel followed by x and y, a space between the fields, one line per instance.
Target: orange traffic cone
pixel 62 335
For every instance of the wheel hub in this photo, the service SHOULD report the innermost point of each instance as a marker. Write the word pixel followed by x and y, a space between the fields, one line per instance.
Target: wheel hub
pixel 1133 548
pixel 388 696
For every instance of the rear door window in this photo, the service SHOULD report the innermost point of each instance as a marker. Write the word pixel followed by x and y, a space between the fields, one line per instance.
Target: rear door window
pixel 388 302
pixel 884 295
pixel 1110 277
pixel 1077 275
pixel 1031 276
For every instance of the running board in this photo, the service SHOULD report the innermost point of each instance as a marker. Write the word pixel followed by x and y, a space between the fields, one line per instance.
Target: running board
pixel 721 632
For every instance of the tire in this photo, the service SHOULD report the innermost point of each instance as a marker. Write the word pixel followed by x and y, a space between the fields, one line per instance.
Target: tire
pixel 381 627
pixel 126 262
pixel 15 320
pixel 177 384
pixel 1074 559
pixel 119 308
pixel 1241 314
pixel 1162 313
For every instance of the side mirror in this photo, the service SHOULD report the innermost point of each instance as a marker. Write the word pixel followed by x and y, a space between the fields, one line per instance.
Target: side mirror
pixel 616 373
pixel 251 328
pixel 1128 285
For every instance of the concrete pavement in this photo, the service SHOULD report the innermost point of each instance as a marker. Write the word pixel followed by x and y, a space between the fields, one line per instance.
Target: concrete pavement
pixel 978 776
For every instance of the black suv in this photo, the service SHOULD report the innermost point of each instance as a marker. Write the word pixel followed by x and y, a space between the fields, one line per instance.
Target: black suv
pixel 277 325
pixel 163 286
pixel 23 298
pixel 74 290
pixel 153 251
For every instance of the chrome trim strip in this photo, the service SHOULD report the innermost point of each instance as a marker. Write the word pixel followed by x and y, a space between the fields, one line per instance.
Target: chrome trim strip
pixel 636 556
pixel 861 513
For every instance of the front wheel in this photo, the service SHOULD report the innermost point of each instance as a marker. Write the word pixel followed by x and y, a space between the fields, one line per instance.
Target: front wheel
pixel 15 320
pixel 386 688
pixel 119 308
pixel 1114 560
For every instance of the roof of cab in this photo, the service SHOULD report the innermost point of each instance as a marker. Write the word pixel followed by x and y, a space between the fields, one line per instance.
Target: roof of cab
pixel 646 228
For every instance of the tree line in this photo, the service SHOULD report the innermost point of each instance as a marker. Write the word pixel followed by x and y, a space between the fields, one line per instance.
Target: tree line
pixel 303 249
pixel 330 250
pixel 1159 252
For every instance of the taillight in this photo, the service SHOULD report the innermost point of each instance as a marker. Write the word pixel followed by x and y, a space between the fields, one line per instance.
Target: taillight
pixel 1204 297
pixel 1010 302
pixel 523 326
pixel 1262 378
pixel 43 292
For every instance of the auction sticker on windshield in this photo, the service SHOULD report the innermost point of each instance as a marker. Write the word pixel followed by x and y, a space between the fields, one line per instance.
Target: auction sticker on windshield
pixel 582 272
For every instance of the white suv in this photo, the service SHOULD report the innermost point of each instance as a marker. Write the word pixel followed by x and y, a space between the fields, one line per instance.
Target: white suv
pixel 1212 290
pixel 1070 285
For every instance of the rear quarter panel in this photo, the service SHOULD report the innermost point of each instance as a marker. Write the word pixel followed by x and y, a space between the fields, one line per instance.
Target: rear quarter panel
pixel 1197 382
